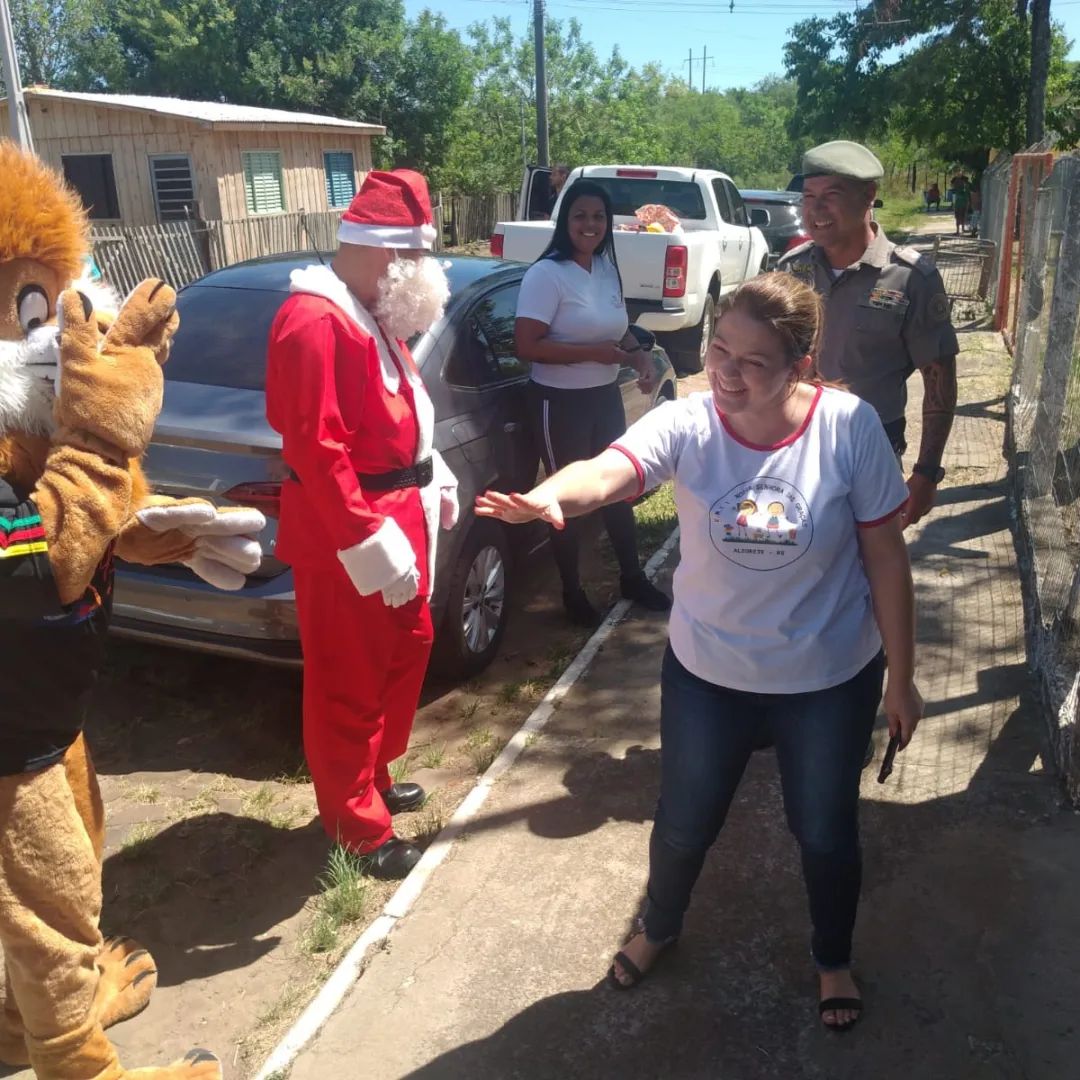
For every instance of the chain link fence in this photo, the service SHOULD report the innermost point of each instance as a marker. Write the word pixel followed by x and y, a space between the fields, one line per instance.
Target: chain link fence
pixel 1032 209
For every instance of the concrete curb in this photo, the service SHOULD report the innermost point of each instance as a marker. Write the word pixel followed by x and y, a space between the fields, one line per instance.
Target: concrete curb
pixel 351 966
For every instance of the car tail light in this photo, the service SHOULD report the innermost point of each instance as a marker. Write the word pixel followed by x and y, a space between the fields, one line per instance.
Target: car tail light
pixel 264 496
pixel 637 174
pixel 675 270
pixel 795 241
pixel 497 245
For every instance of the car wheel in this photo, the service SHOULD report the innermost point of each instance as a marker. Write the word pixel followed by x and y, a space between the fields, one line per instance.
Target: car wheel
pixel 476 603
pixel 689 347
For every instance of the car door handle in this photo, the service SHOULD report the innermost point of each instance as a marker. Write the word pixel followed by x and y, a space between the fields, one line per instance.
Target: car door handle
pixel 723 243
pixel 511 427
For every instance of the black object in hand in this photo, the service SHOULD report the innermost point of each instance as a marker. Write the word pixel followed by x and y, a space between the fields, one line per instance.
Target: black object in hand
pixel 890 753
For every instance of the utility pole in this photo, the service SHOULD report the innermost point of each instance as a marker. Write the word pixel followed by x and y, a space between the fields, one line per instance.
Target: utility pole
pixel 20 122
pixel 1040 66
pixel 690 71
pixel 704 60
pixel 541 86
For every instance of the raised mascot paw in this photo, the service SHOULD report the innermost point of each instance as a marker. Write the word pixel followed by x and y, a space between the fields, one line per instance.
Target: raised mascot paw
pixel 110 387
pixel 223 546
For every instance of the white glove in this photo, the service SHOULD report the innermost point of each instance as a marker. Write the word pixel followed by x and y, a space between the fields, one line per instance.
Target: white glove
pixel 448 485
pixel 226 548
pixel 404 589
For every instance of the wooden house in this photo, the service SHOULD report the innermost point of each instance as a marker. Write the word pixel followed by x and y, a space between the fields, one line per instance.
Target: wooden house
pixel 138 160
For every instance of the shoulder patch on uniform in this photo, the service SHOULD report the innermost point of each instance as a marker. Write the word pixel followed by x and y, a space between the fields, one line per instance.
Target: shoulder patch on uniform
pixel 918 259
pixel 939 307
pixel 802 249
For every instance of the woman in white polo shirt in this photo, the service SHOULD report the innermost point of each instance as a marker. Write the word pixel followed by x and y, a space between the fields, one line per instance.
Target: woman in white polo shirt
pixel 572 327
pixel 793 574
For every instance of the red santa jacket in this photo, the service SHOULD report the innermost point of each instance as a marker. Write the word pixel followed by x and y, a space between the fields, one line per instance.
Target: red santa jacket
pixel 348 402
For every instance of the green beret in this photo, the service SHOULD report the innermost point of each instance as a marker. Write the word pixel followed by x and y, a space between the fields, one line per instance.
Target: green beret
pixel 842 158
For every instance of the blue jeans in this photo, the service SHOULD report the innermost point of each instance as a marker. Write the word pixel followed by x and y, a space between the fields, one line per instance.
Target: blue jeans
pixel 708 733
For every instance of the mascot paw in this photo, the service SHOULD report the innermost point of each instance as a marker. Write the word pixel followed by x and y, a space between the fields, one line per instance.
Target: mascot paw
pixel 194 1065
pixel 128 977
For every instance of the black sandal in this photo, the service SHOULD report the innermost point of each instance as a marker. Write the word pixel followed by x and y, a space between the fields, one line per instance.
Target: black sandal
pixel 630 968
pixel 835 1004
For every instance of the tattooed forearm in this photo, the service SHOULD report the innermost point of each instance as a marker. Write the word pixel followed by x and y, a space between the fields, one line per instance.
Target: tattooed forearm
pixel 939 405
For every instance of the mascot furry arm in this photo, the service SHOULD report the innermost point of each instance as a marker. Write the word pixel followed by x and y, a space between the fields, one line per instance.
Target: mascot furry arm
pixel 75 410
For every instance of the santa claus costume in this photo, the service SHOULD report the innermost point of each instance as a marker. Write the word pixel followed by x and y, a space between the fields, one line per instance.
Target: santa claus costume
pixel 359 517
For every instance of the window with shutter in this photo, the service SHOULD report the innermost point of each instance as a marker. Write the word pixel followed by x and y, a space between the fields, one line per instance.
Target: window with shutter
pixel 340 178
pixel 263 187
pixel 174 186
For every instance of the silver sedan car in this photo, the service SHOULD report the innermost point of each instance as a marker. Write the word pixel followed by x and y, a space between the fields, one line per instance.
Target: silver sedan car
pixel 212 440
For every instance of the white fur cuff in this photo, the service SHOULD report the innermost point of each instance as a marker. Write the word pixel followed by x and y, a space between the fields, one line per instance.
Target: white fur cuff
pixel 379 560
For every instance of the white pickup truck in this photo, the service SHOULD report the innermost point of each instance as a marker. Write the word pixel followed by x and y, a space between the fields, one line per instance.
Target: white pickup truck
pixel 671 281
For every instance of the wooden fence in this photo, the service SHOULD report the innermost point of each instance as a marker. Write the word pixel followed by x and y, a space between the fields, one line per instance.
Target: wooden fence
pixel 181 251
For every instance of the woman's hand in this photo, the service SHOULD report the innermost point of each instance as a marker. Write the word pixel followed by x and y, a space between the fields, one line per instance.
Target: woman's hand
pixel 647 376
pixel 614 354
pixel 516 509
pixel 904 707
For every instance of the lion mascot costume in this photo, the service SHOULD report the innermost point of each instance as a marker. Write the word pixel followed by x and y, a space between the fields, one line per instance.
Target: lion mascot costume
pixel 80 389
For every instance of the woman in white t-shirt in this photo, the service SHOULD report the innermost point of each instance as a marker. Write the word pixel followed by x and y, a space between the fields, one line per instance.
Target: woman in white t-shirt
pixel 793 573
pixel 572 327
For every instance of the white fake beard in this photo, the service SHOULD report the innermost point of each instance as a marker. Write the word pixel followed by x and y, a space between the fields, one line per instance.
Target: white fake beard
pixel 28 375
pixel 412 296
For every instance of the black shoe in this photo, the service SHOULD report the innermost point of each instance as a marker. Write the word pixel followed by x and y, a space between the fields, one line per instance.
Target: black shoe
pixel 402 797
pixel 581 612
pixel 642 591
pixel 393 860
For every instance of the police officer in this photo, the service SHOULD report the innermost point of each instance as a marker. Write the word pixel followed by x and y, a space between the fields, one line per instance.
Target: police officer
pixel 886 312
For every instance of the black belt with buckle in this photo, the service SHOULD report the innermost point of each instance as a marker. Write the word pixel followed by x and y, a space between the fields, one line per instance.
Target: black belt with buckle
pixel 418 476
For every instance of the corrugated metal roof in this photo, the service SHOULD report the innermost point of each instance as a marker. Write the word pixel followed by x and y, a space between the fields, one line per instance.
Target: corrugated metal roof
pixel 207 112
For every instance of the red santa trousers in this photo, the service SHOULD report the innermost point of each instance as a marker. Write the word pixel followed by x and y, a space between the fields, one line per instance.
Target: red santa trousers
pixel 364 665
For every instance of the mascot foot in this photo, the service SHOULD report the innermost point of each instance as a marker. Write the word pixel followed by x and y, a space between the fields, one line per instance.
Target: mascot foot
pixel 86 1054
pixel 128 978
pixel 194 1065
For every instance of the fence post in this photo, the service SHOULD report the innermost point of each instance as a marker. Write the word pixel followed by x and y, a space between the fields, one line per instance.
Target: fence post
pixel 1060 335
pixel 1008 233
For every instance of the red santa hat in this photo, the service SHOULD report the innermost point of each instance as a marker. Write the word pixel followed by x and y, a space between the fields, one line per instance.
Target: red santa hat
pixel 391 210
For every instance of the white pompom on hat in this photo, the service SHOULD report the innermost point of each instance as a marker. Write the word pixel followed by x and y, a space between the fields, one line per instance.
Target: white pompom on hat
pixel 391 210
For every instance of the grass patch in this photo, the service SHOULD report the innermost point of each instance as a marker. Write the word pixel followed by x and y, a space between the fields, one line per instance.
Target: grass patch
pixel 136 844
pixel 901 215
pixel 655 516
pixel 258 803
pixel 400 769
pixel 344 900
pixel 429 820
pixel 481 748
pixel 275 1012
pixel 468 710
pixel 144 793
pixel 300 775
pixel 433 756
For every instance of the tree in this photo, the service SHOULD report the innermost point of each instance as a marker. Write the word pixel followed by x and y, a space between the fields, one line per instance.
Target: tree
pixel 64 43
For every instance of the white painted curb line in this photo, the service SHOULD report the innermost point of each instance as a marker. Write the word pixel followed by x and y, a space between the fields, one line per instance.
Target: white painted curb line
pixel 348 971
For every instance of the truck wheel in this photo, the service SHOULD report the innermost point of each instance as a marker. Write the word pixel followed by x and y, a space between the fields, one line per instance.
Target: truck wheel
pixel 476 608
pixel 688 347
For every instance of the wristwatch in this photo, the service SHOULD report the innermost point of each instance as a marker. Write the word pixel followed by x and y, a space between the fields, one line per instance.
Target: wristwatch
pixel 934 473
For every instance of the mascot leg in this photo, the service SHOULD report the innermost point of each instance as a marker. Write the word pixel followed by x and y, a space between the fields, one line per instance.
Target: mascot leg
pixel 127 972
pixel 50 902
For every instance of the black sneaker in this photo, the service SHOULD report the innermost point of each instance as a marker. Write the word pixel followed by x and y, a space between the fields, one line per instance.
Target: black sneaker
pixel 642 591
pixel 580 610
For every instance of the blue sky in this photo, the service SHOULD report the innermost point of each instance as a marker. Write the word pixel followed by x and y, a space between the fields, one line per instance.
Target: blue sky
pixel 747 43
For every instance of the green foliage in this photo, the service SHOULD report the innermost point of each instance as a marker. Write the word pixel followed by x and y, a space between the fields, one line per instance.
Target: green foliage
pixel 957 89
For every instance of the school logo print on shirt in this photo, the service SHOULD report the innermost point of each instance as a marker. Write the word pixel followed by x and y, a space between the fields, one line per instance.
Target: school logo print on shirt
pixel 761 524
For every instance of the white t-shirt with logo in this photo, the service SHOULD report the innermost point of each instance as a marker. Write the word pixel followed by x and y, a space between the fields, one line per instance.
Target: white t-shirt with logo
pixel 770 593
pixel 580 308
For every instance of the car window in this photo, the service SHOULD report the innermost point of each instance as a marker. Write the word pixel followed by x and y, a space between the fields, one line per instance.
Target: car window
pixel 222 336
pixel 485 353
pixel 739 216
pixel 722 200
pixel 628 193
